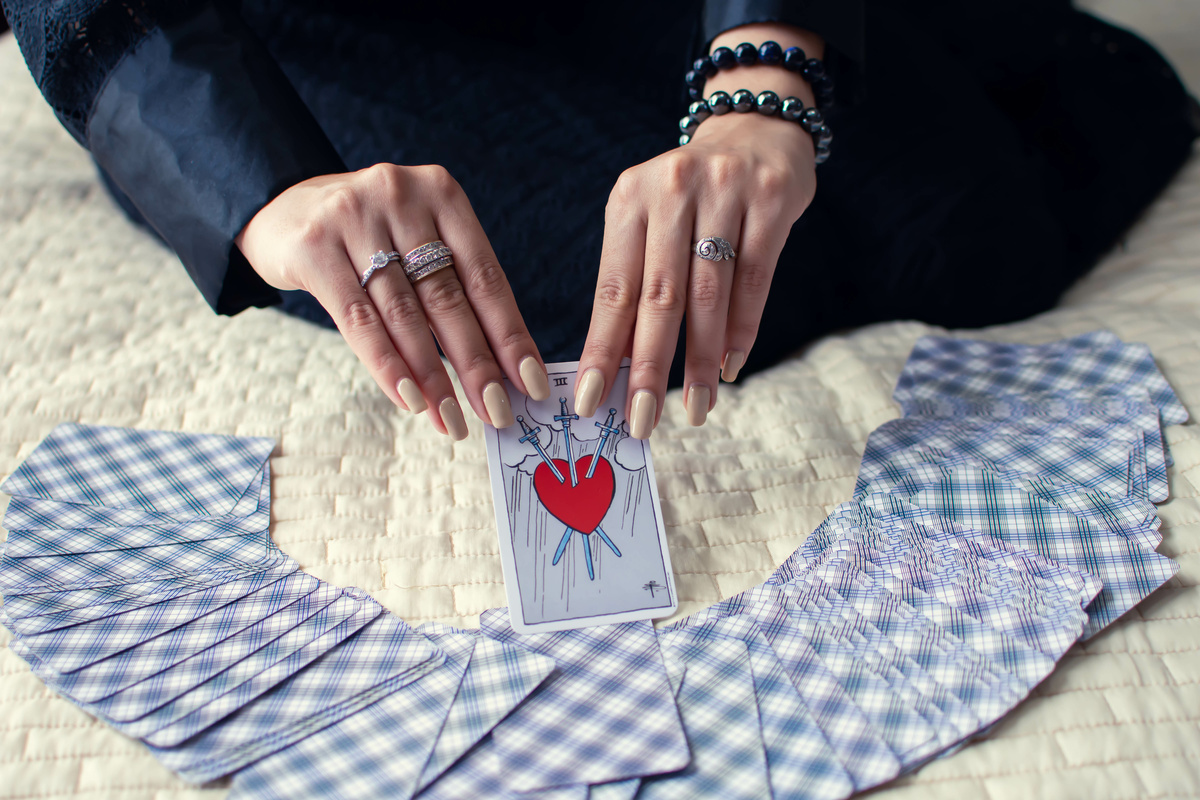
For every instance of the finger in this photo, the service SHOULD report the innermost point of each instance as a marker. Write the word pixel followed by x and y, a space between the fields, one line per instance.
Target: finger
pixel 614 309
pixel 660 312
pixel 457 330
pixel 490 295
pixel 709 286
pixel 762 243
pixel 406 325
pixel 335 284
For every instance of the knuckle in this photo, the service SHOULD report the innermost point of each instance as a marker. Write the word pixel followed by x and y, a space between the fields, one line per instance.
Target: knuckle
pixel 476 362
pixel 701 364
pixel 662 293
pixel 343 202
pixel 623 190
pixel 513 339
pixel 649 365
pixel 402 311
pixel 743 331
pixel 602 353
pixel 317 232
pixel 679 171
pixel 725 168
pixel 753 277
pixel 445 297
pixel 389 179
pixel 358 315
pixel 616 293
pixel 771 182
pixel 427 373
pixel 704 292
pixel 439 180
pixel 486 277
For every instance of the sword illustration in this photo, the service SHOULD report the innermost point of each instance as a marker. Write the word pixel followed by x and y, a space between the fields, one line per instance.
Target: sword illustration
pixel 607 429
pixel 531 436
pixel 565 419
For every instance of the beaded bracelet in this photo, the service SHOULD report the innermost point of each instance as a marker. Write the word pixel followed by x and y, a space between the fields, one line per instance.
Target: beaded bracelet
pixel 793 59
pixel 766 103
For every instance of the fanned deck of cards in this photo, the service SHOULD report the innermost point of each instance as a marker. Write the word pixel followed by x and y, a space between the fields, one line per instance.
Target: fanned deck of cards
pixel 1009 513
pixel 141 583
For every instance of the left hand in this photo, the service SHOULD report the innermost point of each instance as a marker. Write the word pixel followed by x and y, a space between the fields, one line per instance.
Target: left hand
pixel 743 177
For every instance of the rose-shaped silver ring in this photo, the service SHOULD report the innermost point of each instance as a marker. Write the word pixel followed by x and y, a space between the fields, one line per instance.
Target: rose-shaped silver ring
pixel 714 248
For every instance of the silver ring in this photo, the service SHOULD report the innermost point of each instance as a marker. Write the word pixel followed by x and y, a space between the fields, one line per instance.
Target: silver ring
pixel 378 262
pixel 426 260
pixel 714 248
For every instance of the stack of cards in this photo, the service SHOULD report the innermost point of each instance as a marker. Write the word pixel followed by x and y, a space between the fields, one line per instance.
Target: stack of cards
pixel 1007 515
pixel 141 583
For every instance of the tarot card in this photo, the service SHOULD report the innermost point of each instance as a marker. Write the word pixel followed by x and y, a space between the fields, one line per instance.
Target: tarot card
pixel 582 539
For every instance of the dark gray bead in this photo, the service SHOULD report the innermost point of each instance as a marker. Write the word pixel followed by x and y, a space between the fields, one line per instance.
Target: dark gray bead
pixel 684 139
pixel 723 58
pixel 688 125
pixel 767 103
pixel 791 109
pixel 720 103
pixel 743 101
pixel 770 53
pixel 746 54
pixel 699 111
pixel 811 118
pixel 794 58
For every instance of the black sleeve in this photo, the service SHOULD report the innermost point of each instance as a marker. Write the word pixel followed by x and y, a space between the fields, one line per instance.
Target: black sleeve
pixel 187 113
pixel 839 22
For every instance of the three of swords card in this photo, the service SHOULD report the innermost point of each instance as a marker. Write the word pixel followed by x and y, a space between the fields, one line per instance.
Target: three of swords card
pixel 582 540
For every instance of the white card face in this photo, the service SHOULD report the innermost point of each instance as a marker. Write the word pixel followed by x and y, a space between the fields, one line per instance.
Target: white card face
pixel 585 546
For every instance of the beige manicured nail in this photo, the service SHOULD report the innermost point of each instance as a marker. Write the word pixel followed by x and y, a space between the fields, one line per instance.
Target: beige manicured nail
pixel 588 391
pixel 641 416
pixel 534 378
pixel 495 400
pixel 732 365
pixel 452 418
pixel 698 398
pixel 410 393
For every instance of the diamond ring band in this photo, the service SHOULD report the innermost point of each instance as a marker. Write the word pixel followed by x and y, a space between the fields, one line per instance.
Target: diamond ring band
pixel 378 262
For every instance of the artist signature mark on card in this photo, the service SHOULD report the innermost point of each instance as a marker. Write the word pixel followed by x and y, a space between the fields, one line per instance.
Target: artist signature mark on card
pixel 652 587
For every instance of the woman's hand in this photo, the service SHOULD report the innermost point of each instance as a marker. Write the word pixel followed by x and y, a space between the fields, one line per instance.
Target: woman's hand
pixel 743 177
pixel 319 236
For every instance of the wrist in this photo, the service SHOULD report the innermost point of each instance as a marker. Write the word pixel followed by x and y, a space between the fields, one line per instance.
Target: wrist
pixel 756 130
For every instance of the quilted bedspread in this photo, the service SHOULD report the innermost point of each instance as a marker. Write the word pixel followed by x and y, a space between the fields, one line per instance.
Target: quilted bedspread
pixel 99 324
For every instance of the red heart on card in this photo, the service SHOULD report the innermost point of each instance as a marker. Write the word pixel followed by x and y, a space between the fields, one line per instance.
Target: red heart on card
pixel 580 507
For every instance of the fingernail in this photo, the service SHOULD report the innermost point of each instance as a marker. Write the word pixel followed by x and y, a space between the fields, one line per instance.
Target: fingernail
pixel 732 365
pixel 452 418
pixel 495 400
pixel 410 393
pixel 641 417
pixel 588 391
pixel 698 398
pixel 534 378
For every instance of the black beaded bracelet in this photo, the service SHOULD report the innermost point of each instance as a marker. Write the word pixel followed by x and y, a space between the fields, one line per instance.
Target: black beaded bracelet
pixel 793 59
pixel 766 103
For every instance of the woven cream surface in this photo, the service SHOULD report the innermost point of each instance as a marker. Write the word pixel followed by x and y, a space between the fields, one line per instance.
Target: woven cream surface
pixel 99 324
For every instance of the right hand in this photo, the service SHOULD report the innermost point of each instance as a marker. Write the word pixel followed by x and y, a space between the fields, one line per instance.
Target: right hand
pixel 319 236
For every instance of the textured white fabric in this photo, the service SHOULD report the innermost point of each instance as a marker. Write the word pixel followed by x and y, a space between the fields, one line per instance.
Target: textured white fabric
pixel 99 324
